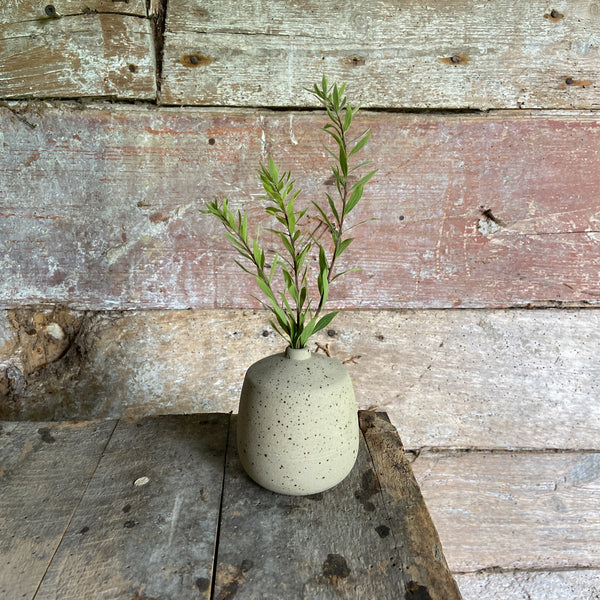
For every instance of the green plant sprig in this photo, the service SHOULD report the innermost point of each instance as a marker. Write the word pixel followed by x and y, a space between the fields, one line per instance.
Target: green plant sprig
pixel 291 307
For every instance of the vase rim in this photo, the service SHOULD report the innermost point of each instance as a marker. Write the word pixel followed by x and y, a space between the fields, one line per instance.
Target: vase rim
pixel 297 353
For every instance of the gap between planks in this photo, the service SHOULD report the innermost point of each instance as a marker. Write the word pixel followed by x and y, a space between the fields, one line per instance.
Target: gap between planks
pixel 220 513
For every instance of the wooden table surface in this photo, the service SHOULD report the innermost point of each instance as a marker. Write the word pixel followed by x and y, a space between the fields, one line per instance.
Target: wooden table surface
pixel 161 509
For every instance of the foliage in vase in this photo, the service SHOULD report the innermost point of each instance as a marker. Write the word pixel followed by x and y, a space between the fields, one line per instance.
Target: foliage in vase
pixel 296 315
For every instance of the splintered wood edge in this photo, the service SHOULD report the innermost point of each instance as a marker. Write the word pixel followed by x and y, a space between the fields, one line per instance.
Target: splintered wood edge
pixel 429 575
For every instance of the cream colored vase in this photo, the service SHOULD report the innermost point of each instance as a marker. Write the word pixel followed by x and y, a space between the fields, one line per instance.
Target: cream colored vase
pixel 297 429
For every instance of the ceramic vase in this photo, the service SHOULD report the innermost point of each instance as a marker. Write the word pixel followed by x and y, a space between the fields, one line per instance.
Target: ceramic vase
pixel 297 428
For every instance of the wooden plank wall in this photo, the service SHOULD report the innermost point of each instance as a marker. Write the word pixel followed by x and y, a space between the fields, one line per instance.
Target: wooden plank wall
pixel 473 321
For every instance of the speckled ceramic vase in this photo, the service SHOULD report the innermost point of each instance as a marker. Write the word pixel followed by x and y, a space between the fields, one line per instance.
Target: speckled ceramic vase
pixel 297 429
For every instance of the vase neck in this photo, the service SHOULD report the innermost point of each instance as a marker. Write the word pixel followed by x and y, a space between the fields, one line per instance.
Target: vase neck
pixel 297 353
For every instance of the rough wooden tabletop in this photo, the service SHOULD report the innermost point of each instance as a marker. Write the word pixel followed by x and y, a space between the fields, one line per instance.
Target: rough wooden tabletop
pixel 160 508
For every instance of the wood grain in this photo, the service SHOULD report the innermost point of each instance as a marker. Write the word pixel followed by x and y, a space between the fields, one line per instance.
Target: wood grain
pixel 328 553
pixel 514 510
pixel 146 538
pixel 446 378
pixel 17 11
pixel 79 55
pixel 458 54
pixel 100 207
pixel 44 471
pixel 581 584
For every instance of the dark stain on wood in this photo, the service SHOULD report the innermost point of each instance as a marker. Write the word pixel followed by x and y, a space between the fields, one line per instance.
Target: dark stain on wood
pixel 414 591
pixel 202 583
pixel 369 487
pixel 489 215
pixel 195 59
pixel 335 568
pixel 46 435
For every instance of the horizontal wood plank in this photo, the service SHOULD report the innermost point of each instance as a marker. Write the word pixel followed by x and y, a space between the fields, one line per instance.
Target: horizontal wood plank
pixel 44 471
pixel 17 11
pixel 491 379
pixel 81 55
pixel 147 524
pixel 514 510
pixel 583 584
pixel 100 207
pixel 459 54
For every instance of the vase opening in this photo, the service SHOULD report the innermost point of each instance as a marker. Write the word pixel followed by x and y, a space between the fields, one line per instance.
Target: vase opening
pixel 297 353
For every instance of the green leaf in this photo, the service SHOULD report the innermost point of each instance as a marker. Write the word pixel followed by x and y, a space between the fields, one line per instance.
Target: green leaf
pixel 273 170
pixel 323 287
pixel 333 208
pixel 324 321
pixel 343 245
pixel 344 272
pixel 361 182
pixel 355 196
pixel 343 161
pixel 322 260
pixel 360 144
pixel 324 216
pixel 266 290
pixel 307 331
pixel 347 119
pixel 259 255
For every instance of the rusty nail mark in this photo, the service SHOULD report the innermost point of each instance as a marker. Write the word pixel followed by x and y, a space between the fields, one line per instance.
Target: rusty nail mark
pixel 554 15
pixel 211 141
pixel 195 59
pixel 133 68
pixel 331 332
pixel 577 82
pixel 50 11
pixel 455 59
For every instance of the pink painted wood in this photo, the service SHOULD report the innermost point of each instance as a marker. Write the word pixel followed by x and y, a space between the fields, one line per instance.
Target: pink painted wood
pixel 99 208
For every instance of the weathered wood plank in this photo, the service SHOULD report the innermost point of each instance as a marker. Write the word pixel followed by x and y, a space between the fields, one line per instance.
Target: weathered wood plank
pixel 44 471
pixel 147 538
pixel 519 510
pixel 491 379
pixel 458 54
pixel 414 533
pixel 17 11
pixel 80 55
pixel 473 210
pixel 582 584
pixel 273 546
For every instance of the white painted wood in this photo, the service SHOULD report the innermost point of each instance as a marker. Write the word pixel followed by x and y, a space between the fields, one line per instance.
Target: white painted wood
pixel 459 379
pixel 531 585
pixel 514 510
pixel 398 54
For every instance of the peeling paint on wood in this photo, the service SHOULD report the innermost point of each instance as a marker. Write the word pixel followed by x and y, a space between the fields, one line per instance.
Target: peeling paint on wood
pixel 80 55
pixel 100 207
pixel 396 54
